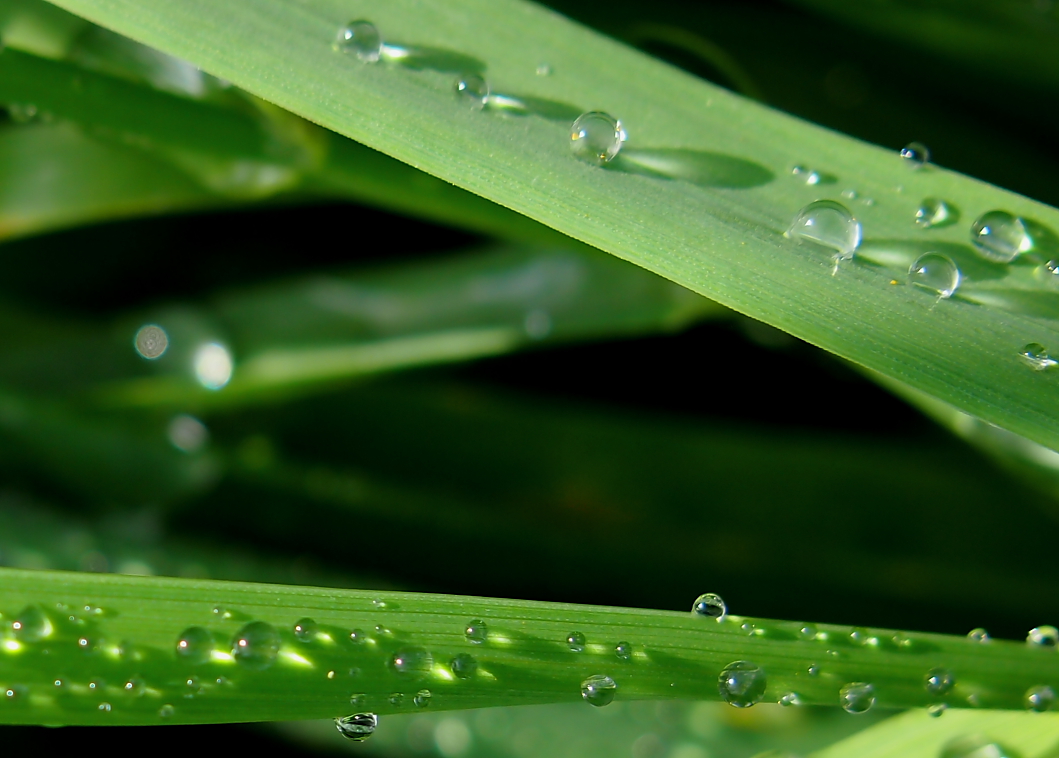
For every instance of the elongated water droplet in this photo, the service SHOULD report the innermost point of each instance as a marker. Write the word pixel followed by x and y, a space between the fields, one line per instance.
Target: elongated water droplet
pixel 1043 636
pixel 256 645
pixel 32 625
pixel 935 710
pixel 932 212
pixel 576 642
pixel 1040 699
pixel 936 273
pixel 791 698
pixel 978 634
pixel 916 154
pixel 828 224
pixel 306 630
pixel 596 137
pixel 195 645
pixel 939 681
pixel 357 727
pixel 151 341
pixel 422 699
pixel 412 662
pixel 857 697
pixel 623 650
pixel 360 38
pixel 464 666
pixel 742 684
pixel 1035 355
pixel 1000 237
pixel 476 632
pixel 473 90
pixel 710 605
pixel 598 690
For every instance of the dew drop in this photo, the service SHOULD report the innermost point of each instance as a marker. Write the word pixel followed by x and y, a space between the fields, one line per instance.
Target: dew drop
pixel 476 632
pixel 32 625
pixel 134 686
pixel 598 690
pixel 974 746
pixel 742 684
pixel 412 662
pixel 358 699
pixel 464 666
pixel 807 632
pixel 791 698
pixel 195 645
pixel 902 640
pixel 858 635
pixel 544 70
pixel 166 711
pixel 1000 237
pixel 596 137
pixel 422 699
pixel 473 90
pixel 15 692
pixel 710 605
pixel 1037 356
pixel 623 650
pixel 382 630
pixel 939 681
pixel 935 710
pixel 814 669
pixel 256 645
pixel 850 194
pixel 576 642
pixel 916 154
pixel 357 727
pixel 828 224
pixel 1051 270
pixel 932 212
pixel 1039 699
pixel 396 698
pixel 360 38
pixel 936 273
pixel 306 630
pixel 857 697
pixel 222 612
pixel 979 635
pixel 358 636
pixel 105 707
pixel 151 341
pixel 213 365
pixel 1043 636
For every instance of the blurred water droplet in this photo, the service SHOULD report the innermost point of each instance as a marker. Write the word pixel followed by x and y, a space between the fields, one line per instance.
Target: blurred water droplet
pixel 1051 271
pixel 358 637
pixel 473 90
pixel 105 707
pixel 96 685
pixel 360 38
pixel 623 650
pixel 256 645
pixel 596 137
pixel 1036 356
pixel 902 640
pixel 412 662
pixel 383 631
pixel 747 627
pixel 544 70
pixel 358 699
pixel 59 683
pixel 187 433
pixel 464 666
pixel 814 669
pixel 858 635
pixel 357 727
pixel 939 681
pixel 1040 699
pixel 422 699
pixel 932 212
pixel 850 194
pixel 396 698
pixel 807 631
pixel 166 711
pixel 32 624
pixel 598 690
pixel 1043 636
pixel 476 632
pixel 857 697
pixel 742 684
pixel 15 692
pixel 306 630
pixel 576 642
pixel 213 365
pixel 151 341
pixel 975 746
pixel 1000 237
pixel 936 273
pixel 134 686
pixel 978 635
pixel 828 224
pixel 194 645
pixel 916 154
pixel 710 605
pixel 537 324
pixel 791 698
pixel 222 612
pixel 936 709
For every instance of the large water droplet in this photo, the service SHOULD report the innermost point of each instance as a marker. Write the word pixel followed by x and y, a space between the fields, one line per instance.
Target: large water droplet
pixel 1037 356
pixel 932 212
pixel 306 630
pixel 473 90
pixel 32 624
pixel 576 642
pixel 1043 636
pixel 974 746
pixel 412 662
pixel 151 341
pixel 464 666
pixel 857 697
pixel 256 645
pixel 939 681
pixel 476 632
pixel 357 727
pixel 916 153
pixel 936 273
pixel 623 650
pixel 422 699
pixel 710 605
pixel 828 224
pixel 598 690
pixel 195 645
pixel 596 137
pixel 1000 237
pixel 1040 699
pixel 978 634
pixel 360 38
pixel 742 684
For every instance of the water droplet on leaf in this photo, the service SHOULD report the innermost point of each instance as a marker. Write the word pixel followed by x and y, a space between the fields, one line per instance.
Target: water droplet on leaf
pixel 166 711
pixel 422 699
pixel 362 39
pixel 576 642
pixel 1043 636
pixel 742 684
pixel 936 709
pixel 623 650
pixel 1040 699
pixel 1000 237
pixel 151 341
pixel 1036 356
pixel 791 698
pixel 464 666
pixel 932 212
pixel 916 153
pixel 256 645
pixel 358 636
pixel 195 645
pixel 306 630
pixel 939 681
pixel 710 605
pixel 857 697
pixel 473 90
pixel 828 224
pixel 598 690
pixel 476 632
pixel 412 662
pixel 32 624
pixel 978 634
pixel 936 273
pixel 357 727
pixel 596 137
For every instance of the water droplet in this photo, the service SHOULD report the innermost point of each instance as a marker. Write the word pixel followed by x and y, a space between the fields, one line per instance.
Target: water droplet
pixel 476 632
pixel 306 630
pixel 1040 699
pixel 383 631
pixel 975 746
pixel 939 681
pixel 902 640
pixel 222 612
pixel 576 642
pixel 166 711
pixel 396 698
pixel 59 683
pixel 807 631
pixel 256 645
pixel 814 669
pixel 32 624
pixel 936 273
pixel 105 707
pixel 1000 237
pixel 749 628
pixel 1043 636
pixel 195 645
pixel 134 686
pixel 791 698
pixel 15 691
pixel 544 70
pixel 213 365
pixel 473 90
pixel 1051 271
pixel 422 699
pixel 357 727
pixel 978 634
pixel 596 137
pixel 916 153
pixel 358 637
pixel 151 341
pixel 935 710
pixel 187 433
pixel 598 690
pixel 360 38
pixel 97 685
pixel 932 212
pixel 358 699
pixel 850 194
pixel 412 662
pixel 857 697
pixel 1036 356
pixel 828 224
pixel 742 684
pixel 464 666
pixel 710 605
pixel 858 635
pixel 623 650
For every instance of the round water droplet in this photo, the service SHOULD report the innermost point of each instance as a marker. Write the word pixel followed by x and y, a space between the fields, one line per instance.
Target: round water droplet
pixel 623 650
pixel 932 212
pixel 15 692
pixel 166 711
pixel 857 697
pixel 814 669
pixel 412 662
pixel 939 681
pixel 396 698
pixel 1051 271
pixel 936 709
pixel 422 699
pixel 596 137
pixel 195 645
pixel 357 727
pixel 828 224
pixel 858 635
pixel 576 642
pixel 975 746
pixel 1040 699
pixel 598 690
pixel 464 666
pixel 256 645
pixel 1035 355
pixel 358 637
pixel 742 684
pixel 383 631
pixel 476 632
pixel 936 273
pixel 97 685
pixel 916 154
pixel 749 628
pixel 213 365
pixel 710 605
pixel 32 625
pixel 473 90
pixel 151 341
pixel 360 38
pixel 1043 636
pixel 978 634
pixel 791 698
pixel 1000 237
pixel 134 686
pixel 306 630
pixel 807 631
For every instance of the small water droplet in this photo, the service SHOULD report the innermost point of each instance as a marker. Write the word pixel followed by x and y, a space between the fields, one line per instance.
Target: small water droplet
pixel 939 681
pixel 935 710
pixel 222 612
pixel 166 711
pixel 858 635
pixel 807 631
pixel 256 645
pixel 396 698
pixel 932 212
pixel 1039 699
pixel 15 691
pixel 151 341
pixel 623 650
pixel 936 273
pixel 306 630
pixel 868 201
pixel 598 690
pixel 379 604
pixel 857 697
pixel 1051 270
pixel 383 631
pixel 1043 636
pixel 87 644
pixel 814 669
pixel 32 625
pixel 195 645
pixel 1000 237
pixel 975 746
pixel 357 727
pixel 749 628
pixel 134 686
pixel 412 662
pixel 710 605
pixel 358 637
pixel 360 38
pixel 1037 356
pixel 742 684
pixel 978 634
pixel 358 699
pixel 422 699
pixel 473 90
pixel 476 632
pixel 105 707
pixel 916 154
pixel 828 224
pixel 544 69
pixel 596 137
pixel 791 698
pixel 464 666
pixel 850 194
pixel 59 683
pixel 96 685
pixel 576 642
pixel 902 640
